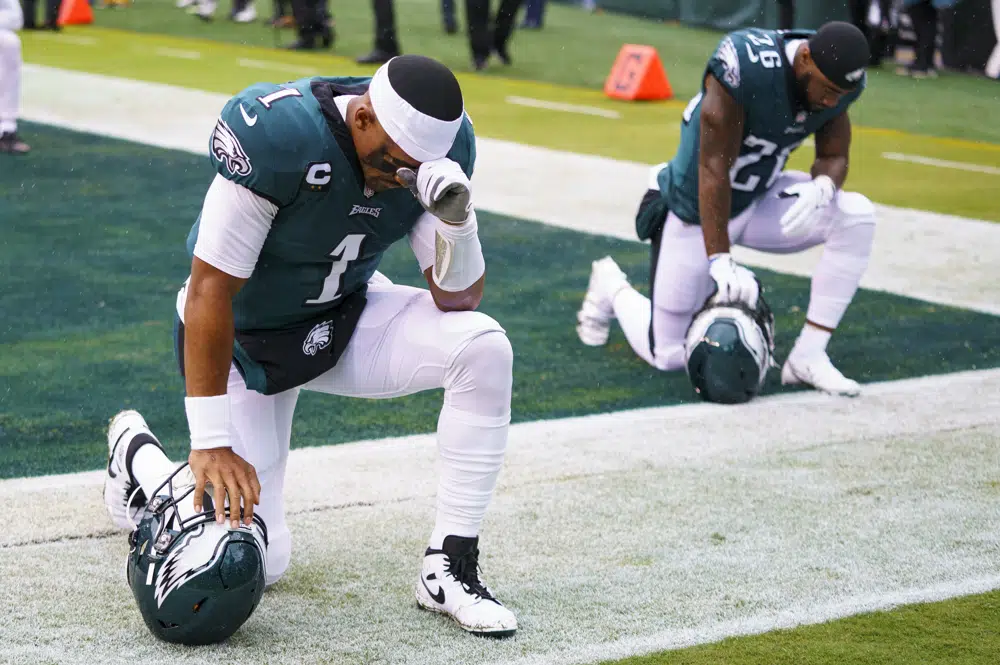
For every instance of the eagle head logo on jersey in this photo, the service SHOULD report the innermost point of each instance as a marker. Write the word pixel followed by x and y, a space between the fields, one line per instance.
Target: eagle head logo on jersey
pixel 730 62
pixel 226 148
pixel 318 338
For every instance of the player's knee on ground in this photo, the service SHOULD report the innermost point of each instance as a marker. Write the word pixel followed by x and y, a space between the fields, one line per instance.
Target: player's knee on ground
pixel 10 43
pixel 279 553
pixel 481 375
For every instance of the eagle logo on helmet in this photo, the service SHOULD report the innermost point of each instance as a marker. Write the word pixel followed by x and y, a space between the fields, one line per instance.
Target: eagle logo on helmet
pixel 318 338
pixel 197 552
pixel 227 149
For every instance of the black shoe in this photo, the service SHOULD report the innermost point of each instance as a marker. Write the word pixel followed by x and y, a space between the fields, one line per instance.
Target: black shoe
pixel 302 44
pixel 480 62
pixel 327 36
pixel 502 53
pixel 450 26
pixel 376 57
pixel 12 145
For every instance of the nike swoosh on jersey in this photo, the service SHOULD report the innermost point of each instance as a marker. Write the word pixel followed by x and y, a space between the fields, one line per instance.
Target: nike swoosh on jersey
pixel 437 597
pixel 246 117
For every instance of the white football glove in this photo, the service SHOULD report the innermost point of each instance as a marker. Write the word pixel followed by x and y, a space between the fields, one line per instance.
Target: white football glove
pixel 734 282
pixel 813 196
pixel 442 189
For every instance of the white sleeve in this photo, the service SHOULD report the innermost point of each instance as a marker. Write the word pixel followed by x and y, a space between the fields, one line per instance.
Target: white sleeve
pixel 11 16
pixel 234 224
pixel 421 238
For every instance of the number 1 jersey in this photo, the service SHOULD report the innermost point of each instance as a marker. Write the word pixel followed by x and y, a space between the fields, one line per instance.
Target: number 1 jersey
pixel 290 145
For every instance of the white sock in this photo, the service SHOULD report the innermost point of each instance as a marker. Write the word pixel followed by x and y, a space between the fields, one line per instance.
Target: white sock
pixel 632 310
pixel 472 435
pixel 150 467
pixel 8 127
pixel 811 341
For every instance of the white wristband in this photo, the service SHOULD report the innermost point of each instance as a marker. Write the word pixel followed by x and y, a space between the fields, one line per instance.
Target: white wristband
pixel 458 255
pixel 208 420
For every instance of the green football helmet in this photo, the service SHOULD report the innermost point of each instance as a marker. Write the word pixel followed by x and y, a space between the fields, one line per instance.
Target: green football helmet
pixel 195 581
pixel 728 350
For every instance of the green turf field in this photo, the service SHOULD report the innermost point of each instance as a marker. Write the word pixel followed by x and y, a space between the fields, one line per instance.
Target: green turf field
pixel 89 274
pixel 100 337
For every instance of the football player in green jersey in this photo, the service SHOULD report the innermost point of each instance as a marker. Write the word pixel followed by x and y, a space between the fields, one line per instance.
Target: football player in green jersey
pixel 315 180
pixel 763 93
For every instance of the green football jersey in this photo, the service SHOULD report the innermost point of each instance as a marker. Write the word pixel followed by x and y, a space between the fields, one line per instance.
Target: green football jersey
pixel 290 145
pixel 752 65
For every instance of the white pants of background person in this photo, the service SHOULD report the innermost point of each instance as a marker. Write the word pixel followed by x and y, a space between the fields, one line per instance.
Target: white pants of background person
pixel 11 20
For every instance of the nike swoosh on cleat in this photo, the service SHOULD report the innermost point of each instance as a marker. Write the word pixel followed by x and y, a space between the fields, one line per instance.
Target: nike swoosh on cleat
pixel 246 117
pixel 438 597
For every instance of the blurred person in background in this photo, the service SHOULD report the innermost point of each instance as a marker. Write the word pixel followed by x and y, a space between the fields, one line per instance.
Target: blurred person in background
pixel 485 40
pixel 448 16
pixel 30 12
pixel 314 24
pixel 386 43
pixel 11 20
pixel 786 14
pixel 534 15
pixel 924 16
pixel 875 19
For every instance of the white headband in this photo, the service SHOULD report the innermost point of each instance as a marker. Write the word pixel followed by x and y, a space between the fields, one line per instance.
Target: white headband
pixel 420 136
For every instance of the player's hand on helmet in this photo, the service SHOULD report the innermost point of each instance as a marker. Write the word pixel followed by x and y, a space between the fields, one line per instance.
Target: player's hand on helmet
pixel 811 197
pixel 733 282
pixel 442 188
pixel 230 475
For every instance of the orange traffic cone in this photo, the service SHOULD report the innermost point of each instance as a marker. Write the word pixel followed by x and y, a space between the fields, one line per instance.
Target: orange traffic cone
pixel 75 12
pixel 638 75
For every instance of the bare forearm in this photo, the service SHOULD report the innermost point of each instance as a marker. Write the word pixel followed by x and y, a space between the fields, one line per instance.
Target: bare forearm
pixel 456 301
pixel 834 167
pixel 208 341
pixel 715 201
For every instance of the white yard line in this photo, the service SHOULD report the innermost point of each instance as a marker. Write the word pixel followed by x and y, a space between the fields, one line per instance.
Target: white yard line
pixel 270 65
pixel 182 54
pixel 565 108
pixel 941 163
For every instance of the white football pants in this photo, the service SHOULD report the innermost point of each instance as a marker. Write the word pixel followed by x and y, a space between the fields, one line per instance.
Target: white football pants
pixel 682 282
pixel 403 345
pixel 10 80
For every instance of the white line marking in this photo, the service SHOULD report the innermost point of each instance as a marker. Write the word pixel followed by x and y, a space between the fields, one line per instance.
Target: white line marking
pixel 276 66
pixel 941 163
pixel 559 106
pixel 182 54
pixel 79 40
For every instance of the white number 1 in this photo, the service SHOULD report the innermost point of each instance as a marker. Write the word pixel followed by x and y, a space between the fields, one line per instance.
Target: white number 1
pixel 346 251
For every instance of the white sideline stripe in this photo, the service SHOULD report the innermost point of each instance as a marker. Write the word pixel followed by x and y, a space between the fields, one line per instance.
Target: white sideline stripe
pixel 790 618
pixel 938 258
pixel 78 40
pixel 941 163
pixel 249 63
pixel 559 106
pixel 182 54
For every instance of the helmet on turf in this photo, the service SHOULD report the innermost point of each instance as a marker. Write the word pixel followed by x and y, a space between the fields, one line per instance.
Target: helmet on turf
pixel 195 581
pixel 728 349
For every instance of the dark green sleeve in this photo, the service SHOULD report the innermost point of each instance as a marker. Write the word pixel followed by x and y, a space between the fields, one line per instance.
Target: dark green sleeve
pixel 259 140
pixel 728 66
pixel 463 150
